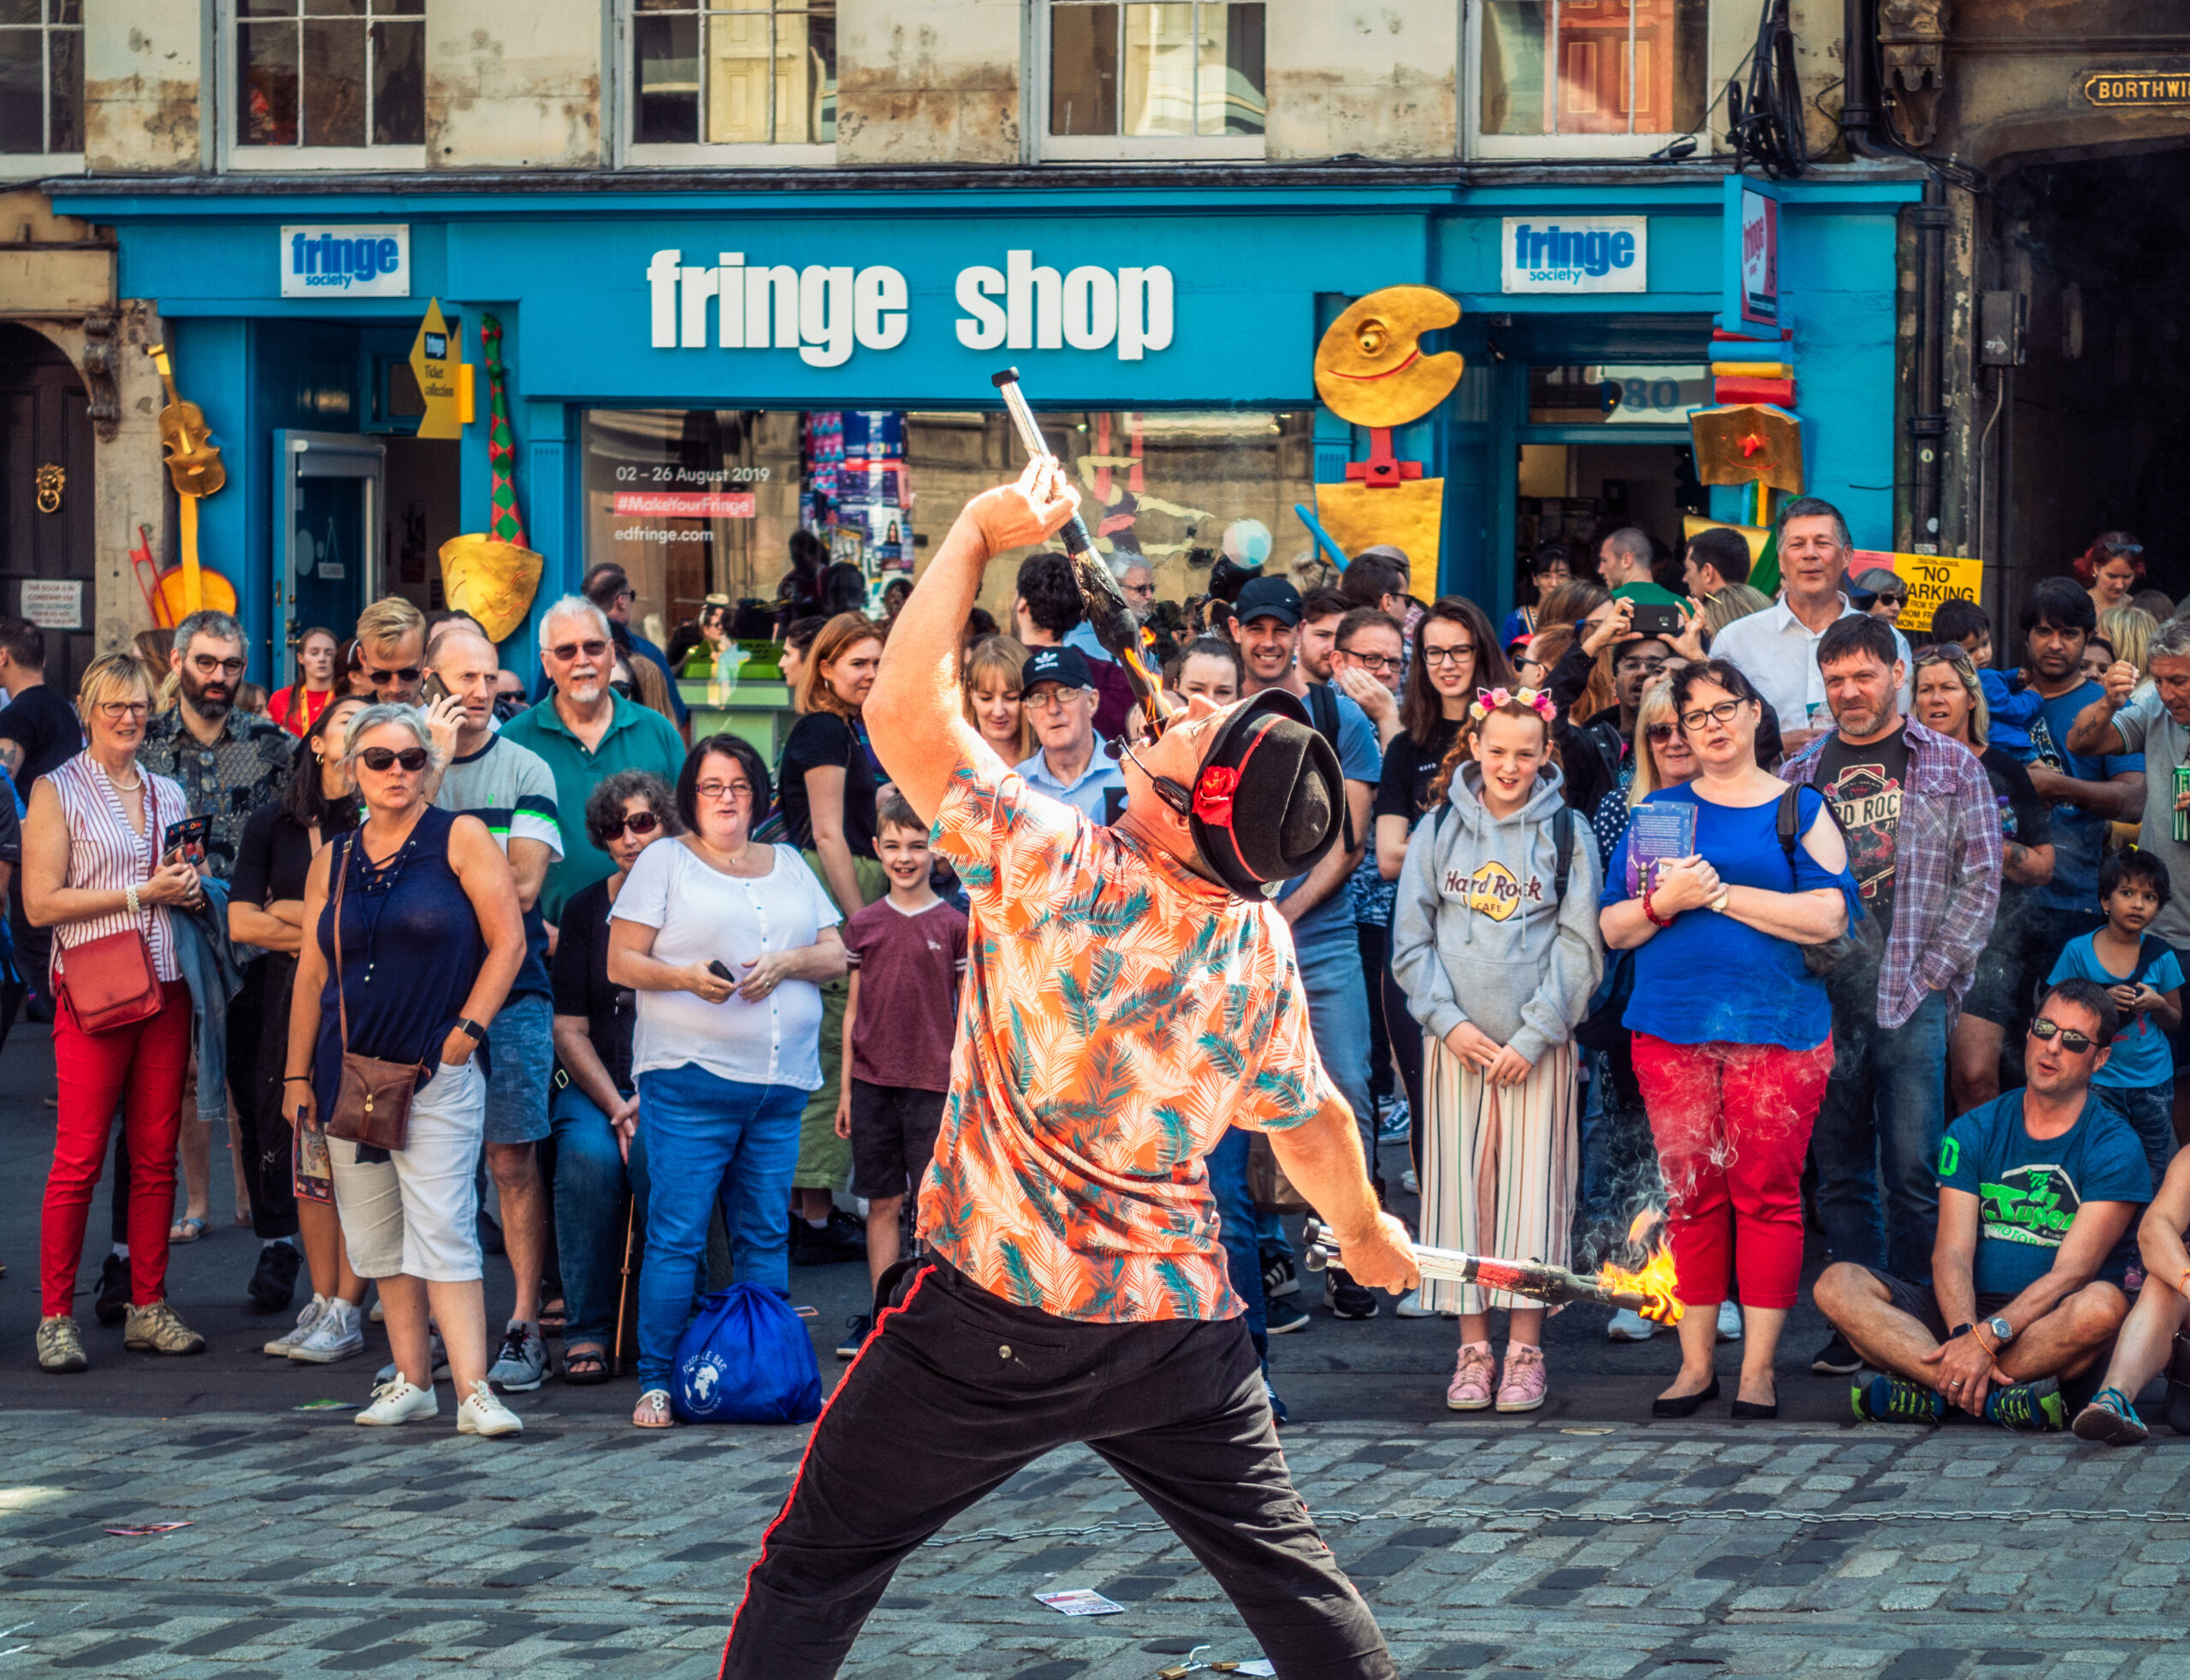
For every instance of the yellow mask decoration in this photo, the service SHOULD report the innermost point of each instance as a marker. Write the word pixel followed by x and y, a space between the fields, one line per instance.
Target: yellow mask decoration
pixel 1370 368
pixel 492 580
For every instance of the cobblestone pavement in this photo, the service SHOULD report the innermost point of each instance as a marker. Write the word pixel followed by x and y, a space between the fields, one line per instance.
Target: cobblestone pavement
pixel 586 1549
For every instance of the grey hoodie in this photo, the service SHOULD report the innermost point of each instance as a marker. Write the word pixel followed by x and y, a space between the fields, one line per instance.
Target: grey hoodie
pixel 1476 936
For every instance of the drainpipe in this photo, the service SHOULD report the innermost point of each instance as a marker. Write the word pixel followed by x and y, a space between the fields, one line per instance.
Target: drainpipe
pixel 1928 422
pixel 1858 111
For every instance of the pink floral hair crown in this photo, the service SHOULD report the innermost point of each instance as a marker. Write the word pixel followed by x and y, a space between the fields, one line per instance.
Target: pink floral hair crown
pixel 1488 701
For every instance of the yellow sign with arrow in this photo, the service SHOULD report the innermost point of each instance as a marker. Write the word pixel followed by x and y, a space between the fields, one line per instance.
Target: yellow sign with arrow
pixel 444 376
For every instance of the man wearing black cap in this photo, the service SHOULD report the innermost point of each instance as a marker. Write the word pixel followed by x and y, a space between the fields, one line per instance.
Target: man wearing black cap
pixel 1058 691
pixel 1129 994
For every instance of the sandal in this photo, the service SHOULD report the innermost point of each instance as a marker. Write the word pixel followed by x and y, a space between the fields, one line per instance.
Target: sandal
pixel 585 1363
pixel 555 1318
pixel 652 1411
pixel 186 1230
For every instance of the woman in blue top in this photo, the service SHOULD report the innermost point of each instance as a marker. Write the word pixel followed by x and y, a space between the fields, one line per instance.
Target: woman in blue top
pixel 1732 1035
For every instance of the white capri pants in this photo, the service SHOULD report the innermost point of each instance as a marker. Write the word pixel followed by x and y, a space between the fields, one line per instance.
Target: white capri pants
pixel 418 1212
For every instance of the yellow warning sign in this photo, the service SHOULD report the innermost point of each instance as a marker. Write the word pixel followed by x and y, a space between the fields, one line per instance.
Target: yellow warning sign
pixel 1932 578
pixel 437 362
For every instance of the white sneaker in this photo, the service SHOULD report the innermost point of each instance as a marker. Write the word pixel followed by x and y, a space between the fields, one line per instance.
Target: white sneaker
pixel 1729 1321
pixel 1628 1325
pixel 1410 1306
pixel 1410 1183
pixel 397 1402
pixel 339 1334
pixel 483 1413
pixel 279 1346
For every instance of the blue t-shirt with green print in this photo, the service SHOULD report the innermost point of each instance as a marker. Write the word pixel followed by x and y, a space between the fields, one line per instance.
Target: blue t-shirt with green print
pixel 2028 1189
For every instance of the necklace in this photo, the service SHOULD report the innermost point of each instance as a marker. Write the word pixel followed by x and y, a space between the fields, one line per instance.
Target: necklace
pixel 121 786
pixel 736 861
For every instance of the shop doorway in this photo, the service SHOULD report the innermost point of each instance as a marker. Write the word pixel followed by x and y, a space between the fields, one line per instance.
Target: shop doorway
pixel 330 497
pixel 1578 493
pixel 425 484
pixel 46 499
pixel 2089 433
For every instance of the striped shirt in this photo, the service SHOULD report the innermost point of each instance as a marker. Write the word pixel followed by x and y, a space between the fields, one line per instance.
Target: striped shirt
pixel 106 854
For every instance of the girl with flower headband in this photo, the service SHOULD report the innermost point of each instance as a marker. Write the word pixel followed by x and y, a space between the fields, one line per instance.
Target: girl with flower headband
pixel 1494 940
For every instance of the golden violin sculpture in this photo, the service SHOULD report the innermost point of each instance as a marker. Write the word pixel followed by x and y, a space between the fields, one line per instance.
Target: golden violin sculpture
pixel 193 461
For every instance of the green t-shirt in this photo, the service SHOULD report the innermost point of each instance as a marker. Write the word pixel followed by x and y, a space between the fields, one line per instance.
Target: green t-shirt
pixel 1649 595
pixel 637 739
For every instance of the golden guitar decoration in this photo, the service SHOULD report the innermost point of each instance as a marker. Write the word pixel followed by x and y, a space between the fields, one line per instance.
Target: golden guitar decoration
pixel 193 462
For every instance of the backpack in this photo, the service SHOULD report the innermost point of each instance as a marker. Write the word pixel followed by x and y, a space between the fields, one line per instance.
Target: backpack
pixel 1843 948
pixel 745 1358
pixel 1562 845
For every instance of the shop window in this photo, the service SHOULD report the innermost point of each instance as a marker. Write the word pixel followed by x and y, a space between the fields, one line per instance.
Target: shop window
pixel 41 78
pixel 735 73
pixel 695 501
pixel 330 83
pixel 1575 78
pixel 1180 79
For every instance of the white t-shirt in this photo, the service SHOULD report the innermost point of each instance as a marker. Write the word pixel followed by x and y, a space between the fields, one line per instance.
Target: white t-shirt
pixel 700 913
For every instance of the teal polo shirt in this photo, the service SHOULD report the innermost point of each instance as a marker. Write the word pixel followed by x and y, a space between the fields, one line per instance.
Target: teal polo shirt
pixel 637 739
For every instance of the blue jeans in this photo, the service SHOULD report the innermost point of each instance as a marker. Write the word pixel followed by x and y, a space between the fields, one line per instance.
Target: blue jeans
pixel 591 1184
pixel 1884 1112
pixel 1236 1212
pixel 2150 1110
pixel 710 1140
pixel 1338 1015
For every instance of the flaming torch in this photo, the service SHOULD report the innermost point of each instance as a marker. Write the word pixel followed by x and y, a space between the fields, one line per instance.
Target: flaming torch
pixel 1648 1292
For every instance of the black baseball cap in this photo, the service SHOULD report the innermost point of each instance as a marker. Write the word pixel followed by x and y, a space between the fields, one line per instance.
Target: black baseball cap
pixel 1269 796
pixel 1269 598
pixel 1060 664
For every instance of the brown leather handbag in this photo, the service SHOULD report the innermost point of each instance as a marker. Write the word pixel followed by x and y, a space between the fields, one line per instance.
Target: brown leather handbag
pixel 372 1106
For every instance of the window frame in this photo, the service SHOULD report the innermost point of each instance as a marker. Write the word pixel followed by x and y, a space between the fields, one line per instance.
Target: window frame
pixel 1507 148
pixel 243 159
pixel 1128 148
pixel 636 154
pixel 30 165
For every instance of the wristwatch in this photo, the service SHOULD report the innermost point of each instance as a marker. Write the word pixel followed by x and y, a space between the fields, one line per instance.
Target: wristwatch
pixel 1719 902
pixel 1960 1331
pixel 471 1030
pixel 2002 1331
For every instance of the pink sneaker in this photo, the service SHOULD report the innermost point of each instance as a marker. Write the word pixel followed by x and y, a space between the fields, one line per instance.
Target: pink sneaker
pixel 1470 1385
pixel 1523 1388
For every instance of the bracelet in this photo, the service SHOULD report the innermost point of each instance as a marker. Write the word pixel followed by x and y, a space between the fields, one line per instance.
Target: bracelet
pixel 296 1079
pixel 1656 921
pixel 129 893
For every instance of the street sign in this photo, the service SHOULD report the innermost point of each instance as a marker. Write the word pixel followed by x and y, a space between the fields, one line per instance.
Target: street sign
pixel 1932 578
pixel 437 360
pixel 2120 89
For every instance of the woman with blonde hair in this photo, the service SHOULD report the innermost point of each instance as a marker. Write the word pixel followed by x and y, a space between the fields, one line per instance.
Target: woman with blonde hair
pixel 2130 631
pixel 992 697
pixel 97 869
pixel 1736 600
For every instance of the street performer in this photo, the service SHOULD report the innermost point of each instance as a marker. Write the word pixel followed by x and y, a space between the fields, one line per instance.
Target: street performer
pixel 1130 992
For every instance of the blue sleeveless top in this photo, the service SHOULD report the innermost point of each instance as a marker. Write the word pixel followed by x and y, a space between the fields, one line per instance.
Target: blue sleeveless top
pixel 411 951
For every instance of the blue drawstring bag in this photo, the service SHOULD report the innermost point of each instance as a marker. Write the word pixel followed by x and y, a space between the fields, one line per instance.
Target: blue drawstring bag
pixel 745 1358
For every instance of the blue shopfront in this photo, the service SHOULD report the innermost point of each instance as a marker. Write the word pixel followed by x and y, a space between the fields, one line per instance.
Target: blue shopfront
pixel 690 377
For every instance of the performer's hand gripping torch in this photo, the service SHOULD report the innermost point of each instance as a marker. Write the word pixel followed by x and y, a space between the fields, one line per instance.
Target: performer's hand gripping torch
pixel 1649 1292
pixel 1112 620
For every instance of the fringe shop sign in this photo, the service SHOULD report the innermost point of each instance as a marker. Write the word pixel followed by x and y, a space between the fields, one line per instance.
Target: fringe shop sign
pixel 823 313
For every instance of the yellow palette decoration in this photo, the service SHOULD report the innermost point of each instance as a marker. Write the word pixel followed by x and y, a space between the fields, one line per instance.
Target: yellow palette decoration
pixel 492 580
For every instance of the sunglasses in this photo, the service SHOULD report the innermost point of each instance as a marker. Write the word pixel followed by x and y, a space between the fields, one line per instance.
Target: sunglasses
pixel 570 650
pixel 1661 733
pixel 1173 794
pixel 378 759
pixel 2075 1043
pixel 628 690
pixel 638 822
pixel 409 673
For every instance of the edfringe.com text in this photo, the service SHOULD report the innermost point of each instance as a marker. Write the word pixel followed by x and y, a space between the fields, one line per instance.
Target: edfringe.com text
pixel 655 534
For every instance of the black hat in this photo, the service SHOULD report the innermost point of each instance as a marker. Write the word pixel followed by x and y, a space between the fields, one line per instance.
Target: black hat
pixel 1269 796
pixel 1269 598
pixel 1065 665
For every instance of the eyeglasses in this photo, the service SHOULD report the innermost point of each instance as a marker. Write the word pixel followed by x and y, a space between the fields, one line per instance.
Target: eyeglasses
pixel 1382 664
pixel 568 651
pixel 1724 712
pixel 712 791
pixel 409 673
pixel 116 710
pixel 2045 1029
pixel 1447 655
pixel 206 665
pixel 636 822
pixel 1659 734
pixel 1646 664
pixel 1049 698
pixel 378 759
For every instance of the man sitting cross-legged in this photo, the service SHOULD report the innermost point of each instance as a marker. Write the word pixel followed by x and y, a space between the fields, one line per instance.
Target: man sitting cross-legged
pixel 2037 1192
pixel 2149 1337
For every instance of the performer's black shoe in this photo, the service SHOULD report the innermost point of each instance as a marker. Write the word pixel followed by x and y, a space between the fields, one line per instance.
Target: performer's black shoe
pixel 857 1331
pixel 113 1304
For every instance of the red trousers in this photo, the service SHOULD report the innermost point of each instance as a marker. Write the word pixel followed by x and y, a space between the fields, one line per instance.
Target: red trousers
pixel 141 1068
pixel 1732 1123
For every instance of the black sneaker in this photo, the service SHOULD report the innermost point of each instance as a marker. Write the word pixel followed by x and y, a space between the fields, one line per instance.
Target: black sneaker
pixel 1281 1317
pixel 274 1281
pixel 1344 1297
pixel 1837 1358
pixel 2178 1384
pixel 2029 1405
pixel 1879 1398
pixel 1279 1278
pixel 842 1238
pixel 112 1305
pixel 857 1331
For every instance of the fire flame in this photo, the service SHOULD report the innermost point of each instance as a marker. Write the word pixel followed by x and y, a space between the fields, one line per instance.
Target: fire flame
pixel 1656 1281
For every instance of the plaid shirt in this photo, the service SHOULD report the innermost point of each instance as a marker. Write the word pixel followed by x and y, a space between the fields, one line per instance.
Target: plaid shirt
pixel 247 765
pixel 1946 867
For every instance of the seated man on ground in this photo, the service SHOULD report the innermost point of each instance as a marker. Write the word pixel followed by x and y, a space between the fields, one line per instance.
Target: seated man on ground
pixel 2149 1338
pixel 2038 1189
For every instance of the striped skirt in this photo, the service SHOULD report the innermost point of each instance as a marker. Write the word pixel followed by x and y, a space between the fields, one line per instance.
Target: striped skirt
pixel 1498 1169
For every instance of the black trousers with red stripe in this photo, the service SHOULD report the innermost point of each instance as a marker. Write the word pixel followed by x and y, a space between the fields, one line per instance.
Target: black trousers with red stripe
pixel 957 1390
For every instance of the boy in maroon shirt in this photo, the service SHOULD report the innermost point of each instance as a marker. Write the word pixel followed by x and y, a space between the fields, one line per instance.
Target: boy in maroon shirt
pixel 907 954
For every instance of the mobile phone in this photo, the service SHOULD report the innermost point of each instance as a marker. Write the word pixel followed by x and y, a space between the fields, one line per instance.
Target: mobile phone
pixel 433 688
pixel 1651 619
pixel 188 839
pixel 720 970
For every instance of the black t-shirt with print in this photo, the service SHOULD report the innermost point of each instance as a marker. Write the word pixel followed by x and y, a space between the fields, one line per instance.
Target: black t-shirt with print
pixel 1864 785
pixel 1403 790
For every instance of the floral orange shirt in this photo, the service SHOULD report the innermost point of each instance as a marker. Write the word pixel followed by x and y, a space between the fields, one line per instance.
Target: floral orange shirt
pixel 1119 1012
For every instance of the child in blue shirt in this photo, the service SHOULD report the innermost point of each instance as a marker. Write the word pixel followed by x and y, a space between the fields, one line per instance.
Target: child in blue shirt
pixel 2012 709
pixel 2145 978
